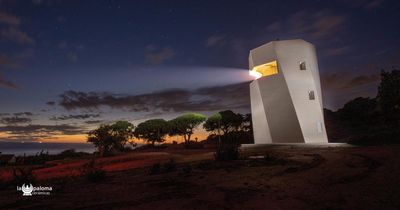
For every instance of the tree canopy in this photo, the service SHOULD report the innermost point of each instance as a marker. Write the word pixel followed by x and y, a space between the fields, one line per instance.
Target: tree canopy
pixel 152 131
pixel 225 121
pixel 108 137
pixel 122 131
pixel 185 124
pixel 389 96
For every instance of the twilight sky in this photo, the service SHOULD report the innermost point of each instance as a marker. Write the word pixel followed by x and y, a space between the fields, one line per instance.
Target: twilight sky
pixel 68 66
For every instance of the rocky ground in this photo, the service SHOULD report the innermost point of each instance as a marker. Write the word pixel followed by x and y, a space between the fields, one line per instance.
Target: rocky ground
pixel 287 177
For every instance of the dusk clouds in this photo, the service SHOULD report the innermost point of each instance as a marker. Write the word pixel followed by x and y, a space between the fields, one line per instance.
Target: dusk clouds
pixel 7 83
pixel 235 96
pixel 14 120
pixel 38 131
pixel 156 55
pixel 75 117
pixel 12 33
pixel 319 24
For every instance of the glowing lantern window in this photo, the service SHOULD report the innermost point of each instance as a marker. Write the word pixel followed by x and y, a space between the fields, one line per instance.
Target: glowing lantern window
pixel 264 70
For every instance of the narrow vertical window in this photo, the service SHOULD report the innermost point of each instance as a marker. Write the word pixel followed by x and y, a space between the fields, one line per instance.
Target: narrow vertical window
pixel 302 65
pixel 319 127
pixel 311 95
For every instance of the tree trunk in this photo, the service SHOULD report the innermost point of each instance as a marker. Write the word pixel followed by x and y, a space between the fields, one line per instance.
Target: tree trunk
pixel 184 137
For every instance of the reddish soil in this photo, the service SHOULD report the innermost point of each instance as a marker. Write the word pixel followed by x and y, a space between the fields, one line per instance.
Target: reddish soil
pixel 290 178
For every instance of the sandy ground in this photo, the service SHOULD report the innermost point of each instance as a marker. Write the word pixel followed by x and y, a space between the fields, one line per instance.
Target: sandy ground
pixel 290 178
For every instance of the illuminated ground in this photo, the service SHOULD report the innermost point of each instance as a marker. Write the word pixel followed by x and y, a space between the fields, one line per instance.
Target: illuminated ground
pixel 290 178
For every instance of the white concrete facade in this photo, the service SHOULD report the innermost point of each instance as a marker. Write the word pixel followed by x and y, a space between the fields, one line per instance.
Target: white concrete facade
pixel 286 100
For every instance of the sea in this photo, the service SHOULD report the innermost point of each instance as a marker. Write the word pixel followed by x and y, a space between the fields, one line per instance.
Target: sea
pixel 33 148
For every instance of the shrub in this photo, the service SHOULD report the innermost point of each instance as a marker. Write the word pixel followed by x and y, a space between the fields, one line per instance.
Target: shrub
pixel 193 145
pixel 227 152
pixel 23 176
pixel 166 167
pixel 170 165
pixel 155 168
pixel 93 173
pixel 69 153
pixel 96 175
pixel 187 169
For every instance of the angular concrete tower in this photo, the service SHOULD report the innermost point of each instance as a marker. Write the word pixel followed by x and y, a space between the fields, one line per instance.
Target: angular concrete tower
pixel 286 101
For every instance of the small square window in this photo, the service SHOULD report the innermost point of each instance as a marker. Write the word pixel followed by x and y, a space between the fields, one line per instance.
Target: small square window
pixel 303 65
pixel 311 95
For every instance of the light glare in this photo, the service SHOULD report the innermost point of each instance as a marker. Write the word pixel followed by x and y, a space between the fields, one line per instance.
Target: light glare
pixel 255 74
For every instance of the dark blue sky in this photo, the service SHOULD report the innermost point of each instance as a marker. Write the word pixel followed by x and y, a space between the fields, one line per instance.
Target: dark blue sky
pixel 179 54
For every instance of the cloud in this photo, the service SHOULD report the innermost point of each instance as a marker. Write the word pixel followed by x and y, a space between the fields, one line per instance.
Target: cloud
pixel 91 122
pixel 366 4
pixel 8 62
pixel 23 114
pixel 337 51
pixel 156 55
pixel 341 81
pixel 362 80
pixel 75 117
pixel 234 96
pixel 215 40
pixel 10 31
pixel 317 24
pixel 51 103
pixel 9 19
pixel 13 32
pixel 15 120
pixel 16 35
pixel 339 88
pixel 48 130
pixel 7 84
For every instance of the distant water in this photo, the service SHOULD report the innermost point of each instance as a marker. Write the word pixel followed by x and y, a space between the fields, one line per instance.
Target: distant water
pixel 32 148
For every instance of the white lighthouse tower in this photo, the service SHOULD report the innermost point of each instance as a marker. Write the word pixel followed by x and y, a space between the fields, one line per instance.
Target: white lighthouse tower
pixel 286 100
